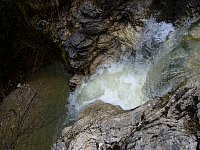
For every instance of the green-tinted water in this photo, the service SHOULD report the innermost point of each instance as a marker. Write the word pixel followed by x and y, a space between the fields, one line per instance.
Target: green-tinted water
pixel 39 109
pixel 180 65
pixel 54 90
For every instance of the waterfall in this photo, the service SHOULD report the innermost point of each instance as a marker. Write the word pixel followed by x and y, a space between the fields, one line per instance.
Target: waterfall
pixel 170 68
pixel 155 35
pixel 161 64
pixel 118 84
pixel 122 83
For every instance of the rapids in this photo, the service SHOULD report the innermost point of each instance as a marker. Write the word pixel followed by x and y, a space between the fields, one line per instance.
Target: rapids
pixel 160 65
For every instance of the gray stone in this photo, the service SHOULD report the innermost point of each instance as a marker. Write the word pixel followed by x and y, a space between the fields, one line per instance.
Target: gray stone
pixel 162 123
pixel 80 40
pixel 88 9
pixel 97 26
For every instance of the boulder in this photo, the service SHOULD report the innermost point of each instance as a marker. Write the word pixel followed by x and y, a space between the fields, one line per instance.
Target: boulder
pixel 170 122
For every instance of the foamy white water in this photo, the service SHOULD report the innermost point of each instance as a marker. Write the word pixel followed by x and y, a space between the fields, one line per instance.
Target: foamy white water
pixel 118 84
pixel 153 38
pixel 122 83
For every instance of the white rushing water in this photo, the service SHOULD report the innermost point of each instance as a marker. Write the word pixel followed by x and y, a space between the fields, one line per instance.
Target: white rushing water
pixel 154 37
pixel 121 83
pixel 118 84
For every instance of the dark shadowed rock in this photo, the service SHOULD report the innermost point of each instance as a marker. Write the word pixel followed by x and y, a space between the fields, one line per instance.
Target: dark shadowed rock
pixel 88 9
pixel 178 11
pixel 79 40
pixel 110 4
pixel 97 26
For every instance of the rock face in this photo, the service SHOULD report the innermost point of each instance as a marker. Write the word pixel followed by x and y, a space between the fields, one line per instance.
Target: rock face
pixel 96 37
pixel 170 122
pixel 95 33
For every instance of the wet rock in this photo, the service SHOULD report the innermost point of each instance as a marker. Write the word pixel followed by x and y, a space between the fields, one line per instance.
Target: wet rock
pixel 78 47
pixel 87 50
pixel 94 110
pixel 161 123
pixel 102 37
pixel 86 15
pixel 80 40
pixel 178 11
pixel 97 26
pixel 88 9
pixel 110 4
pixel 81 29
pixel 92 18
pixel 75 81
pixel 89 20
pixel 115 45
pixel 136 11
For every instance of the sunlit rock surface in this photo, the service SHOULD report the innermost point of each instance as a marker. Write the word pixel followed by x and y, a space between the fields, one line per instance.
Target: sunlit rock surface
pixel 170 122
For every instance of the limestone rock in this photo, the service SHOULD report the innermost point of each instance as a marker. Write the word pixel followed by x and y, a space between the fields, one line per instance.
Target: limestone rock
pixel 88 9
pixel 169 122
pixel 102 37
